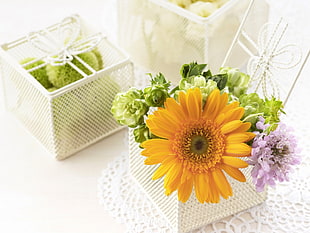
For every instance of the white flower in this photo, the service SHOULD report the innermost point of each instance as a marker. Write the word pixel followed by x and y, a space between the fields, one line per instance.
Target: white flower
pixel 203 9
pixel 181 3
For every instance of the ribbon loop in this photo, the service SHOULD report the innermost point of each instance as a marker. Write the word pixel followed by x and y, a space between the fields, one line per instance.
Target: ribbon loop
pixel 68 42
pixel 272 56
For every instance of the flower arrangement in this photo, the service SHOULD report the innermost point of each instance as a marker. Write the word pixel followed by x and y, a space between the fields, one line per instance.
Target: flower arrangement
pixel 206 126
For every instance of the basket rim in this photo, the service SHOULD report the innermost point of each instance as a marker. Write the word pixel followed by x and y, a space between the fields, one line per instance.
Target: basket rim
pixel 192 16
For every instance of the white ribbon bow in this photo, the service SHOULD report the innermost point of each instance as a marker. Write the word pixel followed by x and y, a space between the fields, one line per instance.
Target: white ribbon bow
pixel 271 57
pixel 61 47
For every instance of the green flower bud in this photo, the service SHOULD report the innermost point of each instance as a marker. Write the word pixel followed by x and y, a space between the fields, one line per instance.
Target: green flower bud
pixel 253 107
pixel 272 110
pixel 142 133
pixel 155 95
pixel 129 108
pixel 237 81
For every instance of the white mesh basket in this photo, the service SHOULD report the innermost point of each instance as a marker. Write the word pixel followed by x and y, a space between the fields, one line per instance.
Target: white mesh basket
pixel 162 36
pixel 184 217
pixel 74 116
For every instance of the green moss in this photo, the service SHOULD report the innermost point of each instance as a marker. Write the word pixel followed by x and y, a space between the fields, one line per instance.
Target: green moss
pixel 99 58
pixel 40 74
pixel 61 76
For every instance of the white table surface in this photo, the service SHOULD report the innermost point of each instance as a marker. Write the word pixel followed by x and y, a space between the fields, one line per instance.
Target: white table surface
pixel 37 193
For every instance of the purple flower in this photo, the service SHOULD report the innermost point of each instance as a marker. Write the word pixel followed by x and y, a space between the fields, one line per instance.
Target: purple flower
pixel 273 155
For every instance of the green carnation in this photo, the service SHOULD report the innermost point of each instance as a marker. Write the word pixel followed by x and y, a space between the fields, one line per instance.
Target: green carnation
pixel 142 133
pixel 206 86
pixel 39 74
pixel 129 108
pixel 155 95
pixel 61 76
pixel 253 107
pixel 237 81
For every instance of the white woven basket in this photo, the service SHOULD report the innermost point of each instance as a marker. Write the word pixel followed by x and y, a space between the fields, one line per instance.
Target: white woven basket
pixel 74 116
pixel 161 36
pixel 184 217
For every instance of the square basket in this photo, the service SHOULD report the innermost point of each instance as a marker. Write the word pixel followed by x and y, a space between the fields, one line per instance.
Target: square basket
pixel 161 36
pixel 184 217
pixel 74 116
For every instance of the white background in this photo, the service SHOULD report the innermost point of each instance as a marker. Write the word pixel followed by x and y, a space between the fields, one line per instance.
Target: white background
pixel 37 193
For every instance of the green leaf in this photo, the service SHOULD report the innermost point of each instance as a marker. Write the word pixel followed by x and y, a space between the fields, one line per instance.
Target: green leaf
pixel 184 70
pixel 207 74
pixel 220 79
pixel 192 69
pixel 197 69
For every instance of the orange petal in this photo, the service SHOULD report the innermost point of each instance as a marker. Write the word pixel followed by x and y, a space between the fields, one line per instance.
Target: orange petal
pixel 200 187
pixel 173 173
pixel 156 142
pixel 238 149
pixel 230 107
pixel 155 159
pixel 211 102
pixel 215 193
pixel 163 168
pixel 231 126
pixel 234 162
pixel 186 175
pixel 182 101
pixel 214 104
pixel 237 138
pixel 163 116
pixel 194 102
pixel 160 132
pixel 222 183
pixel 242 128
pixel 175 109
pixel 173 185
pixel 233 172
pixel 233 114
pixel 156 147
pixel 185 190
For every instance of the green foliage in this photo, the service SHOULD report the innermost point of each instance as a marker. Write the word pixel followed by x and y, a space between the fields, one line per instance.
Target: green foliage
pixel 254 107
pixel 272 110
pixel 188 71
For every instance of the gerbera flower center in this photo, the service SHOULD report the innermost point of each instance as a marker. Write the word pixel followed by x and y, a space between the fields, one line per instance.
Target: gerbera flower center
pixel 200 145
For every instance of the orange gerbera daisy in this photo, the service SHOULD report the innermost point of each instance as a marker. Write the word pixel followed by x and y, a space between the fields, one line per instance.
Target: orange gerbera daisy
pixel 197 143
